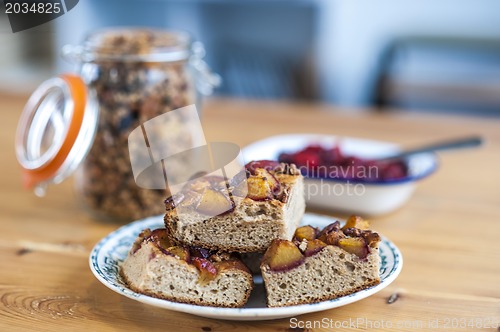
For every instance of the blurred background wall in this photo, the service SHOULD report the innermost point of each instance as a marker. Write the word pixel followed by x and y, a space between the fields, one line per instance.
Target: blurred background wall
pixel 414 55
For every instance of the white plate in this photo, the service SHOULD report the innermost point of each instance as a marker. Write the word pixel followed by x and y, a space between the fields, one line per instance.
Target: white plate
pixel 358 197
pixel 107 255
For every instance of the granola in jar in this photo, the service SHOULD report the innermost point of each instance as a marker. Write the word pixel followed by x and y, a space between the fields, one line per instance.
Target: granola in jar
pixel 134 75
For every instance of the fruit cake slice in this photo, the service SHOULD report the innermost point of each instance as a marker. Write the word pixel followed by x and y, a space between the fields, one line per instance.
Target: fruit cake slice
pixel 264 203
pixel 321 265
pixel 157 268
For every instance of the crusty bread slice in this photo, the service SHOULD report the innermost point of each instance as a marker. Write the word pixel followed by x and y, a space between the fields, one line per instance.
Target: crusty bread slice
pixel 329 274
pixel 250 226
pixel 150 270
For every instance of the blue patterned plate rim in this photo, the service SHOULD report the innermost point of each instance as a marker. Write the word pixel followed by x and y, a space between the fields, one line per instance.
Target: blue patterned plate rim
pixel 108 253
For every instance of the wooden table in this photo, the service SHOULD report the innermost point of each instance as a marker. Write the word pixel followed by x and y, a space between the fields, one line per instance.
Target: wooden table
pixel 449 232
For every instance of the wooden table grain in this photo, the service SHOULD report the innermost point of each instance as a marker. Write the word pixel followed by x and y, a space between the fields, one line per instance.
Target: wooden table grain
pixel 449 233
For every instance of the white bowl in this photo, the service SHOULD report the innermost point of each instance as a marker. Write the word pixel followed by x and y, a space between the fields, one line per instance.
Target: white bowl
pixel 352 196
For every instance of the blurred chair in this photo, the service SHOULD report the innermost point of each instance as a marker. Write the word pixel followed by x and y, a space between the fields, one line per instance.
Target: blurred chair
pixel 440 73
pixel 262 74
pixel 261 49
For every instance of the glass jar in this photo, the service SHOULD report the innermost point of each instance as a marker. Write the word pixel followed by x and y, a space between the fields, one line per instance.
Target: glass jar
pixel 130 76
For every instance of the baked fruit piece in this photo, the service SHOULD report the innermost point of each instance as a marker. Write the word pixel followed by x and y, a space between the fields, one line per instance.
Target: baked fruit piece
pixel 321 265
pixel 157 268
pixel 271 208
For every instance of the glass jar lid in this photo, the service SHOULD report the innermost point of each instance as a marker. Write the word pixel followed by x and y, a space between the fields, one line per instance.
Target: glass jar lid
pixel 55 131
pixel 128 44
pixel 133 44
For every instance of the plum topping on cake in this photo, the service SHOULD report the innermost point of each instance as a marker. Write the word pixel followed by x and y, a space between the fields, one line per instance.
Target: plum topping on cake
pixel 306 232
pixel 209 195
pixel 201 252
pixel 180 252
pixel 213 202
pixel 138 242
pixel 354 245
pixel 268 165
pixel 313 247
pixel 206 261
pixel 282 255
pixel 285 255
pixel 159 267
pixel 207 269
pixel 263 186
pixel 321 265
pixel 243 213
pixel 356 222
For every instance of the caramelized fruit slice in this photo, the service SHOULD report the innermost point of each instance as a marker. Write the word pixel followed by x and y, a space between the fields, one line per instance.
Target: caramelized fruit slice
pixel 331 233
pixel 333 227
pixel 146 233
pixel 356 222
pixel 313 247
pixel 282 255
pixel 213 203
pixel 191 198
pixel 181 252
pixel 354 245
pixel 332 237
pixel 206 268
pixel 200 252
pixel 258 189
pixel 263 185
pixel 160 238
pixel 231 264
pixel 274 184
pixel 269 165
pixel 305 232
pixel 371 238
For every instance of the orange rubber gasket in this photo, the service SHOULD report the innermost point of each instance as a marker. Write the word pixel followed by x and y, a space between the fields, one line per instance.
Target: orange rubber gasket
pixel 78 93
